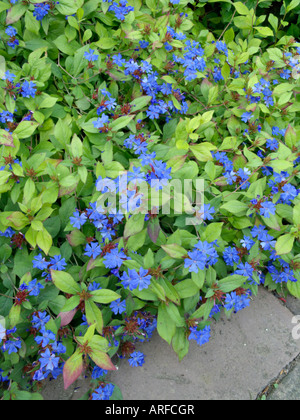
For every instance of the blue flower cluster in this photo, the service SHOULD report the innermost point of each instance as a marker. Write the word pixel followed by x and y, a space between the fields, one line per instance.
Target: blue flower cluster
pixel 120 9
pixel 12 32
pixel 203 255
pixel 27 89
pixel 50 361
pixel 201 336
pixel 103 392
pixel 279 270
pixel 55 263
pixel 104 223
pixel 10 343
pixel 236 302
pixel 42 9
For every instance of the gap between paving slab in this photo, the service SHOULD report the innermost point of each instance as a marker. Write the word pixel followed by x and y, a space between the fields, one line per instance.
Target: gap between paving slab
pixel 243 355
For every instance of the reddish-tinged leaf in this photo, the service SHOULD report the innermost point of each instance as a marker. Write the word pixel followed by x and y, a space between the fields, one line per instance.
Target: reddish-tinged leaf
pixel 66 317
pixel 6 139
pixel 102 360
pixel 76 238
pixel 153 229
pixel 72 369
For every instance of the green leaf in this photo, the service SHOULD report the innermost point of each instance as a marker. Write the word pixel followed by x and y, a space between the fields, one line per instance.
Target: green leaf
pixel 186 288
pixel 140 102
pixel 230 283
pixel 106 43
pixel 199 278
pixel 175 251
pixel 284 244
pixel 44 240
pixel 25 129
pixel 69 7
pixel 14 315
pixel 241 8
pixel 290 137
pixel 71 304
pixel 174 314
pixel 76 238
pixel 104 296
pixel 134 225
pixel 94 315
pixel 121 122
pixel 294 288
pixel 296 214
pixel 137 241
pixel 213 231
pixel 166 327
pixel 264 31
pixel 202 151
pixel 235 207
pixel 65 282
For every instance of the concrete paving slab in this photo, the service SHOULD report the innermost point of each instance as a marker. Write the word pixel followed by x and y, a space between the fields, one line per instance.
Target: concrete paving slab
pixel 288 389
pixel 243 356
pixel 293 304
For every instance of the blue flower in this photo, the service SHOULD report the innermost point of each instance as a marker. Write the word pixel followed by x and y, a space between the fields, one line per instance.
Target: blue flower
pixel 90 55
pixel 201 336
pixel 99 123
pixel 57 263
pixel 45 338
pixel 118 306
pixel 48 360
pixel 93 250
pixel 245 270
pixel 267 241
pixel 137 358
pixel 222 47
pixel 272 144
pixel 12 346
pixel 246 116
pixel 258 231
pixel 247 242
pixel 98 372
pixel 40 319
pixel 78 220
pixel 135 279
pixel 35 287
pixel 9 76
pixel 103 392
pixel 230 301
pixel 114 259
pixel 267 209
pixel 121 9
pixel 8 233
pixel 207 211
pixel 28 89
pixel 41 10
pixel 285 73
pixel 231 256
pixel 11 31
pixel 143 44
pixel 195 261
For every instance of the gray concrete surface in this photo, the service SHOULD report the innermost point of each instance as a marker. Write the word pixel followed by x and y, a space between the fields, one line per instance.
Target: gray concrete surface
pixel 245 354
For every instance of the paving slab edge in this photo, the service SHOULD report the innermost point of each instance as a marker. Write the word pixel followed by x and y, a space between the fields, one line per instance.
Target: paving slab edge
pixel 269 389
